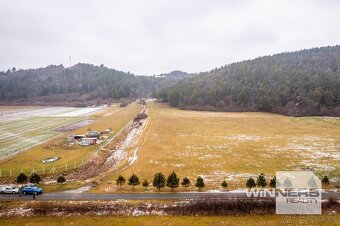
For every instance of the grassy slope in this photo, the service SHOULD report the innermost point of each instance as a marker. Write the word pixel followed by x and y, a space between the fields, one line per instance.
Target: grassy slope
pixel 233 145
pixel 176 220
pixel 112 117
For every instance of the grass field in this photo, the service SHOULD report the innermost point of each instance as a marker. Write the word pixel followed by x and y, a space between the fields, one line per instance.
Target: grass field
pixel 233 146
pixel 110 117
pixel 267 220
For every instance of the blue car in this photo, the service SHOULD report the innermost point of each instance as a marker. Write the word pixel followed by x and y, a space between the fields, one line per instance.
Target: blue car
pixel 31 190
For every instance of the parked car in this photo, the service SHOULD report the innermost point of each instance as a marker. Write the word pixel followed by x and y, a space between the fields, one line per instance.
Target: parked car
pixel 9 190
pixel 31 190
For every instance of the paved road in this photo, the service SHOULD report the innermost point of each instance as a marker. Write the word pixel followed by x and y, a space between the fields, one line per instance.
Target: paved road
pixel 137 196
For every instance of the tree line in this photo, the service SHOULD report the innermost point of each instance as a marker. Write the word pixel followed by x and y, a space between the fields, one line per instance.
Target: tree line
pixel 299 83
pixel 173 181
pixel 82 83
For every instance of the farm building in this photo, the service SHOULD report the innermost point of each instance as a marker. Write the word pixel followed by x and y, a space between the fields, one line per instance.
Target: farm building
pixel 93 134
pixel 88 141
pixel 73 138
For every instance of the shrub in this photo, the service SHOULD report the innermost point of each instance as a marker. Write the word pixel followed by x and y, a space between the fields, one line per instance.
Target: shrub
pixel 22 178
pixel 145 184
pixel 186 182
pixel 61 179
pixel 224 184
pixel 250 183
pixel 35 178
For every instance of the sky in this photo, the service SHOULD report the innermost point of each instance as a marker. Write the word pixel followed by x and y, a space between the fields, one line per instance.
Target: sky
pixel 152 37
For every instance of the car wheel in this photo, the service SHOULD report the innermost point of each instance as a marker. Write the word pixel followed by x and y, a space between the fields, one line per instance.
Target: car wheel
pixel 35 193
pixel 24 193
pixel 14 192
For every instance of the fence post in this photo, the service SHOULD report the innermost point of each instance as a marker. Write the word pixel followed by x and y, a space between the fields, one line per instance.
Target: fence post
pixel 10 173
pixel 66 167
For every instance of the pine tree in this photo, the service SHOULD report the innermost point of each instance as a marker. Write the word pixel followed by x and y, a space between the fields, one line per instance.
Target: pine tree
pixel 120 180
pixel 261 181
pixel 287 183
pixel 134 181
pixel 172 181
pixel 325 181
pixel 22 178
pixel 61 179
pixel 224 184
pixel 272 182
pixel 34 178
pixel 199 183
pixel 250 183
pixel 312 183
pixel 145 183
pixel 159 181
pixel 186 182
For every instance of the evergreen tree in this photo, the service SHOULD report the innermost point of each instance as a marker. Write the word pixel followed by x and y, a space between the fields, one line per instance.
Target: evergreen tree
pixel 325 181
pixel 287 183
pixel 159 181
pixel 134 181
pixel 250 183
pixel 172 181
pixel 312 183
pixel 186 182
pixel 145 184
pixel 199 183
pixel 35 178
pixel 273 182
pixel 120 180
pixel 261 181
pixel 22 178
pixel 224 184
pixel 61 179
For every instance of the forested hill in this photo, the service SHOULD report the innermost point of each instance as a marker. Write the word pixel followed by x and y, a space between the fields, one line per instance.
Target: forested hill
pixel 299 83
pixel 82 84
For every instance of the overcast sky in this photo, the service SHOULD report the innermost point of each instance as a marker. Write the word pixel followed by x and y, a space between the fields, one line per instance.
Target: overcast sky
pixel 152 37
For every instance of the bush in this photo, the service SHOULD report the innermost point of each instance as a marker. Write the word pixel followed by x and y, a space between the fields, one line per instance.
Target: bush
pixel 61 179
pixel 186 182
pixel 22 178
pixel 145 183
pixel 35 178
pixel 224 184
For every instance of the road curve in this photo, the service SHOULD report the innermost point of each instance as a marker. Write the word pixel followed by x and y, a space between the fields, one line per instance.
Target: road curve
pixel 140 196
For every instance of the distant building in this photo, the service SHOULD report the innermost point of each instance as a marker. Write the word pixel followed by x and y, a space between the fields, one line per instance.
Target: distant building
pixel 88 141
pixel 93 134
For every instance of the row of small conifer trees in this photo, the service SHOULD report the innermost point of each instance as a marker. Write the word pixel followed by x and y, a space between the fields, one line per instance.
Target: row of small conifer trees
pixel 172 181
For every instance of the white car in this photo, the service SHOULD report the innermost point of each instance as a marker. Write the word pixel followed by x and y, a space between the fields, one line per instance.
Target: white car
pixel 9 190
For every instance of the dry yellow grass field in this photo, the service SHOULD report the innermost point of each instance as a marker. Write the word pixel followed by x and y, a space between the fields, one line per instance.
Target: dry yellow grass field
pixel 110 117
pixel 232 146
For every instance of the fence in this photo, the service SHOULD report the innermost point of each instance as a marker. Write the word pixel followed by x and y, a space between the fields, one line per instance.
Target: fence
pixel 51 168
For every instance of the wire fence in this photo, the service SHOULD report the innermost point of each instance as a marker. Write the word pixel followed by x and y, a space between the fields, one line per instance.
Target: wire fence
pixel 51 168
